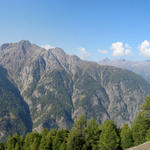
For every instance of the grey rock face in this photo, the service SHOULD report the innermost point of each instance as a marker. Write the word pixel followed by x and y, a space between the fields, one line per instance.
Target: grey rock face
pixel 59 87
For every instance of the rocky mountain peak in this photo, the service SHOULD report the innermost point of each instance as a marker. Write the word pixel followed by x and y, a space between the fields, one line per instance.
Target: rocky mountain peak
pixel 58 87
pixel 58 52
pixel 25 43
pixel 4 46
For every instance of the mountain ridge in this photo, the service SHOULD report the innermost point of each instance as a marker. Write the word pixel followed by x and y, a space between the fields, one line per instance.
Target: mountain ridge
pixel 139 67
pixel 58 87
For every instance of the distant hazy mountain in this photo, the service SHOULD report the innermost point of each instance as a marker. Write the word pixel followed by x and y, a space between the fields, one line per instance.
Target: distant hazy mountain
pixel 58 87
pixel 139 67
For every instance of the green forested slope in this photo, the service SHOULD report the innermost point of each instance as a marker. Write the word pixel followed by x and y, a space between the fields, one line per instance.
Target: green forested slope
pixel 88 135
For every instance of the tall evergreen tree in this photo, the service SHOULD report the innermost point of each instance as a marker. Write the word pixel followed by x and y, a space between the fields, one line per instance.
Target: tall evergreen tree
pixel 47 140
pixel 109 138
pixel 142 123
pixel 148 135
pixel 76 139
pixel 145 109
pixel 60 139
pixel 14 143
pixel 126 137
pixel 92 135
pixel 43 141
pixel 32 141
pixel 139 129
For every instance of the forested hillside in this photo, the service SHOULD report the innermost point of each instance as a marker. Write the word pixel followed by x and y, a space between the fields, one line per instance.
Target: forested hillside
pixel 87 135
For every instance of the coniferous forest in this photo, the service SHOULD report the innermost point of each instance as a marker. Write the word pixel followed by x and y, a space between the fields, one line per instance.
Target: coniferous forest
pixel 86 135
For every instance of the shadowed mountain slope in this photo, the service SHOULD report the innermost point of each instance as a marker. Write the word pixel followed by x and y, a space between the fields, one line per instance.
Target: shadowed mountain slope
pixel 14 112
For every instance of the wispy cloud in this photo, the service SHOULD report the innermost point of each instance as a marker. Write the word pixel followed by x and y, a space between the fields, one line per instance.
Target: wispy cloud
pixel 83 53
pixel 144 48
pixel 120 49
pixel 47 47
pixel 102 51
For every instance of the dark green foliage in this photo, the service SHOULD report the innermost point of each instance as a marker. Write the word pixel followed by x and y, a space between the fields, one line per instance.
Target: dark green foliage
pixel 148 135
pixel 60 139
pixel 126 137
pixel 63 146
pixel 2 146
pixel 47 139
pixel 109 138
pixel 139 129
pixel 43 142
pixel 32 141
pixel 76 139
pixel 92 135
pixel 145 109
pixel 142 123
pixel 15 143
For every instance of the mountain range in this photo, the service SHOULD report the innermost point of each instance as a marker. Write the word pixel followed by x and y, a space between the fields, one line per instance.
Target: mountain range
pixel 42 88
pixel 139 67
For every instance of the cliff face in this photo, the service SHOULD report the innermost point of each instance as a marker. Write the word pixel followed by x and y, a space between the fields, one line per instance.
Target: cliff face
pixel 58 87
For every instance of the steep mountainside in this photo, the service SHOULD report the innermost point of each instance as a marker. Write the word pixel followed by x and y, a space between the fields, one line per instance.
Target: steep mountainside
pixel 139 67
pixel 14 112
pixel 59 87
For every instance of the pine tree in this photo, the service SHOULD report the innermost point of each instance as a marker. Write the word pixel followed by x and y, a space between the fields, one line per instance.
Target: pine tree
pixel 145 109
pixel 76 139
pixel 60 138
pixel 109 138
pixel 126 137
pixel 148 135
pixel 47 140
pixel 139 129
pixel 14 143
pixel 63 146
pixel 142 123
pixel 2 146
pixel 92 135
pixel 32 141
pixel 43 141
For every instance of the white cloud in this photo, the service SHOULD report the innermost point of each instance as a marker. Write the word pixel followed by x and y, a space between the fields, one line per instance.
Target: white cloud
pixel 47 47
pixel 102 51
pixel 120 49
pixel 84 53
pixel 144 48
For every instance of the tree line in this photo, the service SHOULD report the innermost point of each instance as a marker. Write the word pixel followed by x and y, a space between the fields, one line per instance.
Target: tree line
pixel 87 135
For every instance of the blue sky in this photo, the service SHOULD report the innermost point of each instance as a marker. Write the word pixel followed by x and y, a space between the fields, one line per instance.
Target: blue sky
pixel 91 29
